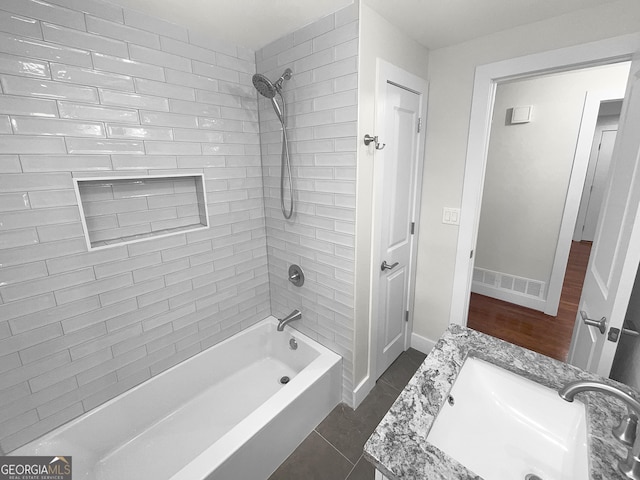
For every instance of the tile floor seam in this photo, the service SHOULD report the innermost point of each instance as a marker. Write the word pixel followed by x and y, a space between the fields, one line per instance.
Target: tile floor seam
pixel 334 447
pixel 400 372
pixel 392 386
pixel 354 467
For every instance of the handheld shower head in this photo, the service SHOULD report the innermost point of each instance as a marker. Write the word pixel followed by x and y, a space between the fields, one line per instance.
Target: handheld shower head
pixel 268 89
pixel 264 86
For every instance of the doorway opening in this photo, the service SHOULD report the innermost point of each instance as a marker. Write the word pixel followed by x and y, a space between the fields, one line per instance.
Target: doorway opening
pixel 520 291
pixel 529 328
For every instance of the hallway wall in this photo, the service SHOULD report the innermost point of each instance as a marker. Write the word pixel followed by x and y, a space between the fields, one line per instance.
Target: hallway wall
pixel 451 74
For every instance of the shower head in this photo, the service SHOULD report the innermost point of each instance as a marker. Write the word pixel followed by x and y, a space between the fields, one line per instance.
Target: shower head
pixel 268 89
pixel 264 85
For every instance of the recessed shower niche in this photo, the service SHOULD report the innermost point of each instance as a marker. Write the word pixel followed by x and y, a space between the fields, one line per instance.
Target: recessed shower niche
pixel 121 210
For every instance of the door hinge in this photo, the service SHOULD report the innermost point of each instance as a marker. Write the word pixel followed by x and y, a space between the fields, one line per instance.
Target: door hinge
pixel 419 124
pixel 413 228
pixel 406 316
pixel 471 254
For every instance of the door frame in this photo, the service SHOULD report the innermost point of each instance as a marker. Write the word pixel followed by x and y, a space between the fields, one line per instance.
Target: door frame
pixel 487 77
pixel 583 210
pixel 388 73
pixel 578 176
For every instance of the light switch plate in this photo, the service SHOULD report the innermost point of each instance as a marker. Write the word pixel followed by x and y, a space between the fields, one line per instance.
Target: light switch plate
pixel 451 216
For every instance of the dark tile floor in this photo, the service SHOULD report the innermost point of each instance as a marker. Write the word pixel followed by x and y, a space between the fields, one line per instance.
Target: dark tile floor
pixel 333 451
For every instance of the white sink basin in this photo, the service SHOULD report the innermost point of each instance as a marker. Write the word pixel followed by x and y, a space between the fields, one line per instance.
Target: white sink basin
pixel 504 426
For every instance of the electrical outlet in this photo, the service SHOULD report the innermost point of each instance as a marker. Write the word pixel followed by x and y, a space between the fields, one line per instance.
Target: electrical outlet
pixel 451 216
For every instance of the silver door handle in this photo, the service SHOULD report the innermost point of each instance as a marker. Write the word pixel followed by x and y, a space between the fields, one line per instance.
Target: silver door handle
pixel 600 324
pixel 386 266
pixel 630 331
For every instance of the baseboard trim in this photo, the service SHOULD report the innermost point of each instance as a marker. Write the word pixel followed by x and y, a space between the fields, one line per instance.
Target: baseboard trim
pixel 422 344
pixel 362 390
pixel 511 297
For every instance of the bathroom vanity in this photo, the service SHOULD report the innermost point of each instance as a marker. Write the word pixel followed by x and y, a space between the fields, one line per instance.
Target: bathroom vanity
pixel 400 447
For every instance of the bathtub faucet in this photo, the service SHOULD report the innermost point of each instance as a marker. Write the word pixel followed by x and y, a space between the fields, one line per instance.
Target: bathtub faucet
pixel 295 315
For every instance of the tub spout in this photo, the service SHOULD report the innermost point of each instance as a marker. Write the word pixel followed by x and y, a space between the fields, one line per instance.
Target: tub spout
pixel 295 315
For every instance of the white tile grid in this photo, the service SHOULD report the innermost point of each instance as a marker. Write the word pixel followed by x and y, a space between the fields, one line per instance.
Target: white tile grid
pixel 90 89
pixel 321 103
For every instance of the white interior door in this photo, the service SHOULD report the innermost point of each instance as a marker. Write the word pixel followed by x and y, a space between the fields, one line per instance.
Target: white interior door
pixel 616 250
pixel 399 165
pixel 596 183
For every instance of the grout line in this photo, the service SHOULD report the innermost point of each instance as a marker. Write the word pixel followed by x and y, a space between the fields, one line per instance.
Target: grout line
pixel 335 448
pixel 390 385
pixel 354 466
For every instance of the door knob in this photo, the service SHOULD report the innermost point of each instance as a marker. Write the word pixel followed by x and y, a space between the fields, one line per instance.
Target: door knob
pixel 600 324
pixel 386 266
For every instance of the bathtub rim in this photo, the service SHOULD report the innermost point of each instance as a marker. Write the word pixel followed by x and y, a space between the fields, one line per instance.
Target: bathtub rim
pixel 210 459
pixel 233 440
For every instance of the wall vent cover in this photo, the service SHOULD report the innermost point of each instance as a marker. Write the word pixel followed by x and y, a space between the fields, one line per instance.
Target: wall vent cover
pixel 509 283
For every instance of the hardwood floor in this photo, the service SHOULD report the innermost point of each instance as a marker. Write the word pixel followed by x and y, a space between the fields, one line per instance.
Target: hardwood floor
pixel 531 329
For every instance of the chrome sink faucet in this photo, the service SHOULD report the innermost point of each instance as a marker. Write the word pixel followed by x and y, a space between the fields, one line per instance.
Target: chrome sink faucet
pixel 631 465
pixel 295 315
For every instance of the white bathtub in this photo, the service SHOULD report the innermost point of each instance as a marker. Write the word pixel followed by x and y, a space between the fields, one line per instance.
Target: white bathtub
pixel 223 414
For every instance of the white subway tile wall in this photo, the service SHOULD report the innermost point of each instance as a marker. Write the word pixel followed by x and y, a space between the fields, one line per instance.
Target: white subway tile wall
pixel 88 89
pixel 321 100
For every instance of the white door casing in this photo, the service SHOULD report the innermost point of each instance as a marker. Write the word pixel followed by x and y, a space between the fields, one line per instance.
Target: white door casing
pixel 593 102
pixel 588 125
pixel 594 53
pixel 595 185
pixel 615 254
pixel 400 103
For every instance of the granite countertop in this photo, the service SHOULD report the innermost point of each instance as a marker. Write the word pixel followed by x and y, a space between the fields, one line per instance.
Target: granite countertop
pixel 399 449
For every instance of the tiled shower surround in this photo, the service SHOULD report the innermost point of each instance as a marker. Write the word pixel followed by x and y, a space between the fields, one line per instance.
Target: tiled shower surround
pixel 321 100
pixel 88 89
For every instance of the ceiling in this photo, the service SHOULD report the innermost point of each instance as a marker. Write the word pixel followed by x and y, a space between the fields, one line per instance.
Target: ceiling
pixel 440 23
pixel 433 23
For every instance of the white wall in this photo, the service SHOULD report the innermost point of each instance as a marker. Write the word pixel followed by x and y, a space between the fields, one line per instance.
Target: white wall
pixel 451 73
pixel 529 166
pixel 378 39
